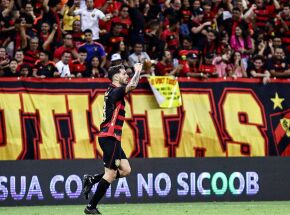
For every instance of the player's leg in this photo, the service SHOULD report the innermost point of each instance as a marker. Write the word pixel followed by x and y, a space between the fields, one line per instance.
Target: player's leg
pixel 111 153
pixel 124 168
pixel 89 181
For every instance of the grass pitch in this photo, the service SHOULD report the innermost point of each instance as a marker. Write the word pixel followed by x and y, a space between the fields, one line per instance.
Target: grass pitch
pixel 218 208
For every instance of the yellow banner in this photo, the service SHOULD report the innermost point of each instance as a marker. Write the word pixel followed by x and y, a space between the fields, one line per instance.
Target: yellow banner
pixel 166 91
pixel 60 119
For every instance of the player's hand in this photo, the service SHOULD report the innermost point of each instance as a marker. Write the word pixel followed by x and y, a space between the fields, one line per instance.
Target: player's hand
pixel 138 67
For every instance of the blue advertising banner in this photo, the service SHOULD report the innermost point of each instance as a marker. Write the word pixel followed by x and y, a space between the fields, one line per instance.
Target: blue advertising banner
pixel 152 180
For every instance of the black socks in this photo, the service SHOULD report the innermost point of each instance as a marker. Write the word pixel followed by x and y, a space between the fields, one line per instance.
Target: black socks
pixel 96 178
pixel 100 192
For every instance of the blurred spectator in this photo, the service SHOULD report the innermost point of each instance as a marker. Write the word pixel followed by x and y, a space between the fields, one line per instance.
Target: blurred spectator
pixel 124 19
pixel 258 69
pixel 242 42
pixel 79 66
pixel 44 68
pixel 4 59
pixel 31 54
pixel 67 23
pixel 63 65
pixel 93 48
pixel 138 56
pixel 67 46
pixel 114 36
pixel 155 45
pixel 193 65
pixel 198 29
pixel 94 69
pixel 283 22
pixel 207 67
pixel 11 70
pixel 25 70
pixel 19 56
pixel 212 43
pixel 90 17
pixel 236 68
pixel 192 30
pixel 122 49
pixel 166 66
pixel 278 66
pixel 171 35
pixel 77 34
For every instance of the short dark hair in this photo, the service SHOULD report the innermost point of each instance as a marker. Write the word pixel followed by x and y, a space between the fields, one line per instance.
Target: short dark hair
pixel 237 9
pixel 115 70
pixel 258 57
pixel 88 31
pixel 13 59
pixel 65 52
pixel 45 52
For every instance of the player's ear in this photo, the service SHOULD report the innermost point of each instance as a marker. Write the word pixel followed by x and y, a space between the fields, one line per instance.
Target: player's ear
pixel 115 77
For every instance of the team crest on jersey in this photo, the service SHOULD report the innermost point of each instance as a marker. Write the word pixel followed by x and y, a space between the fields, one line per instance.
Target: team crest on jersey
pixel 93 15
pixel 280 123
pixel 117 162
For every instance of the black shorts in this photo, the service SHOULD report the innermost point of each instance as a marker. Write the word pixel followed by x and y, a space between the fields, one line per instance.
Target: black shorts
pixel 113 152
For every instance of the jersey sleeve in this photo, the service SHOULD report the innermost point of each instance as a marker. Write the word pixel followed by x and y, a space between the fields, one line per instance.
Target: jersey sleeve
pixel 78 12
pixel 118 93
pixel 101 15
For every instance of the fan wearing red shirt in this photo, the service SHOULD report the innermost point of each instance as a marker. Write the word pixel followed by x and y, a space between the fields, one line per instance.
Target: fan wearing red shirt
pixel 283 24
pixel 67 46
pixel 165 65
pixel 124 19
pixel 78 67
pixel 263 13
pixel 208 67
pixel 171 35
pixel 31 54
pixel 208 15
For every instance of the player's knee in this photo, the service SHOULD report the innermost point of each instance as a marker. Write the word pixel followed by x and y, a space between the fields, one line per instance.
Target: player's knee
pixel 110 176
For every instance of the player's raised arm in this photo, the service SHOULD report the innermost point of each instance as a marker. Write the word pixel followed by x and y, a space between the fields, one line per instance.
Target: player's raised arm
pixel 135 79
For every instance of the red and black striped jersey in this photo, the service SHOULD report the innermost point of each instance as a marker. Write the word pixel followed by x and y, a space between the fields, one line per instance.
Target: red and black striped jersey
pixel 114 112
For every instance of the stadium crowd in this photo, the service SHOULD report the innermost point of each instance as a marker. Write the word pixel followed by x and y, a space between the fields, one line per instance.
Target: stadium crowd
pixel 188 38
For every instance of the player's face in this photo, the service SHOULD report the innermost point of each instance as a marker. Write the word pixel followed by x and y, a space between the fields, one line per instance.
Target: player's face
pixel 123 77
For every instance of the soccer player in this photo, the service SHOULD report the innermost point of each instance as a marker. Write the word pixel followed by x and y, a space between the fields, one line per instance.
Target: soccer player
pixel 115 160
